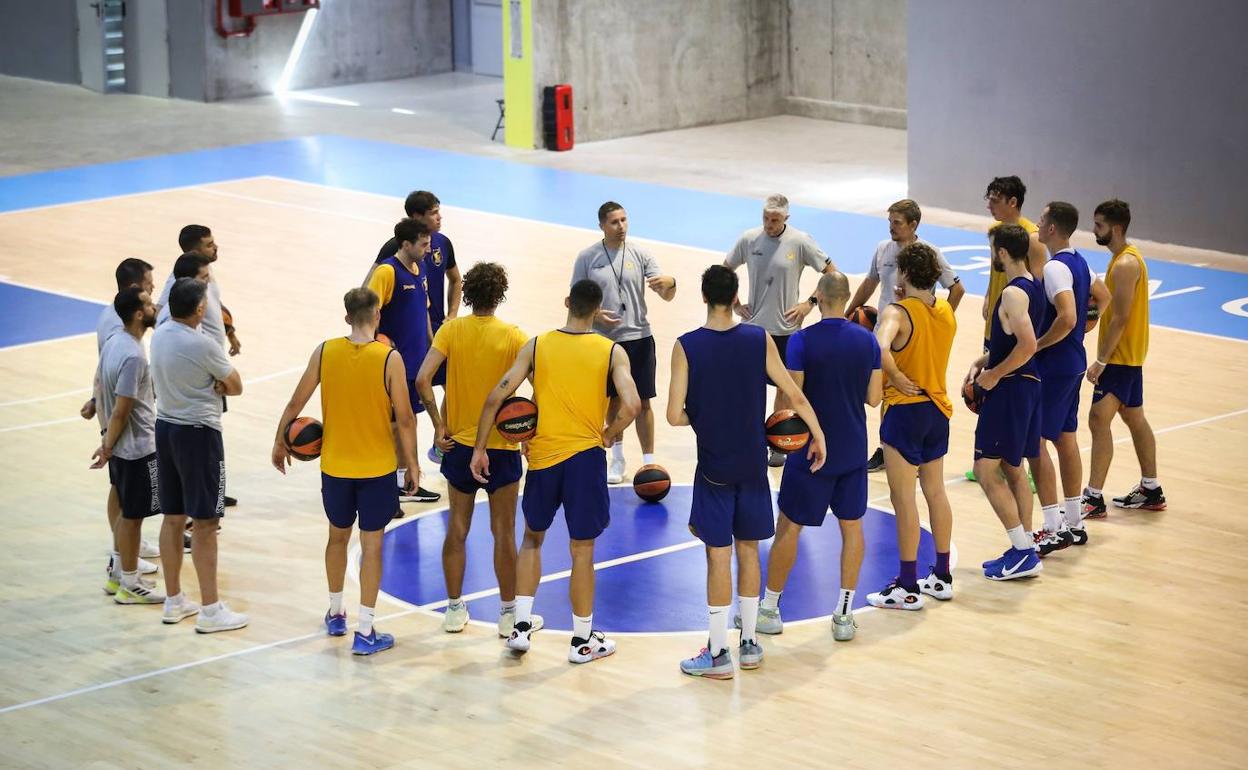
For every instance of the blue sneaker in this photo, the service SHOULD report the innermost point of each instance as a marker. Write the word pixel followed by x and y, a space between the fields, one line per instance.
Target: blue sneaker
pixel 336 625
pixel 709 666
pixel 435 454
pixel 1014 564
pixel 371 644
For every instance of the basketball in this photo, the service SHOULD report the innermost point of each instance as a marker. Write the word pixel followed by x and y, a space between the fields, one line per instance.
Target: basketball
pixel 786 432
pixel 383 339
pixel 865 316
pixel 303 438
pixel 517 419
pixel 972 396
pixel 1094 315
pixel 651 483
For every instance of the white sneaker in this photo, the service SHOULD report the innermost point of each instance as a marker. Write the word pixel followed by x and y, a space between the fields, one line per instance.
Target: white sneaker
pixel 224 619
pixel 615 472
pixel 936 588
pixel 591 649
pixel 520 638
pixel 507 621
pixel 146 567
pixel 142 592
pixel 175 612
pixel 894 597
pixel 455 618
pixel 148 551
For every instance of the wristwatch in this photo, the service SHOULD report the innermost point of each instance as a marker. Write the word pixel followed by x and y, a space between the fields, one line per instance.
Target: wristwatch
pixel 813 301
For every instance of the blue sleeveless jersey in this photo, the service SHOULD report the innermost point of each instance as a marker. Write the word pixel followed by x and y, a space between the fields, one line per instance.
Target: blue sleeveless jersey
pixel 1000 344
pixel 1068 357
pixel 727 401
pixel 441 257
pixel 405 318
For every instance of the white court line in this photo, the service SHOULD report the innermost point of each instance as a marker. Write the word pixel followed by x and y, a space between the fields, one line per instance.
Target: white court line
pixel 44 424
pixel 197 185
pixel 20 345
pixel 37 399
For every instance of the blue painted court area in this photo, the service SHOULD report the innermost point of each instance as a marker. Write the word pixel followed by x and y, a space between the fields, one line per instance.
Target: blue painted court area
pixel 665 592
pixel 31 315
pixel 1185 297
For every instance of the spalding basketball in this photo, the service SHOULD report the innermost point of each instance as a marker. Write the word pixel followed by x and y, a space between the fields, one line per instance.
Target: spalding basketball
pixel 865 316
pixel 383 339
pixel 972 396
pixel 517 419
pixel 303 438
pixel 651 483
pixel 1094 315
pixel 786 432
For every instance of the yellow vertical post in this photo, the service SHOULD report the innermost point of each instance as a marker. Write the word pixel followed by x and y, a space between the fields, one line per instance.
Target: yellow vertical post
pixel 518 73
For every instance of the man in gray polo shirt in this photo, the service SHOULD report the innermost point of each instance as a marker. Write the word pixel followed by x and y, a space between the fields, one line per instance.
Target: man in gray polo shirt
pixel 774 256
pixel 191 372
pixel 903 225
pixel 624 270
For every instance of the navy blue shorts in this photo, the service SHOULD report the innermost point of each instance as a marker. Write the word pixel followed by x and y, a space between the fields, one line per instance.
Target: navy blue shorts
pixel 413 395
pixel 782 347
pixel 1009 421
pixel 375 500
pixel 805 497
pixel 579 485
pixel 190 464
pixel 721 513
pixel 1059 405
pixel 505 469
pixel 439 377
pixel 919 432
pixel 642 362
pixel 1125 383
pixel 137 485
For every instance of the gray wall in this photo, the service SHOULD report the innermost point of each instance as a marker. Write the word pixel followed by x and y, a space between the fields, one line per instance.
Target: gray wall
pixel 1140 99
pixel 39 39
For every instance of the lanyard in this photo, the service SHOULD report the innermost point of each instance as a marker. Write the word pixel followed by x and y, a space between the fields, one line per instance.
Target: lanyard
pixel 619 276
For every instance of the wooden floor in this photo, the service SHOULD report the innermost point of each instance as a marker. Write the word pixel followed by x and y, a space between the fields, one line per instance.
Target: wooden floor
pixel 1127 653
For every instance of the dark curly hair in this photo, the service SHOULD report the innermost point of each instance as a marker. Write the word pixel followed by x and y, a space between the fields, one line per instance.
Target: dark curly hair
pixel 485 285
pixel 920 265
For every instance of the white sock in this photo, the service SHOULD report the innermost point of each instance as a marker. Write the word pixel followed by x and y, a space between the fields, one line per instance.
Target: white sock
pixel 617 450
pixel 1020 539
pixel 1074 511
pixel 1148 483
pixel 400 473
pixel 524 608
pixel 647 459
pixel 114 565
pixel 581 626
pixel 454 604
pixel 211 609
pixel 771 599
pixel 335 603
pixel 366 620
pixel 749 617
pixel 845 604
pixel 129 579
pixel 1092 492
pixel 1052 517
pixel 175 599
pixel 719 627
pixel 505 607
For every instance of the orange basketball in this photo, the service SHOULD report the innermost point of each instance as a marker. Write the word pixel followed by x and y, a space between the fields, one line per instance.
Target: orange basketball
pixel 1094 315
pixel 517 419
pixel 972 396
pixel 786 432
pixel 865 316
pixel 383 339
pixel 303 437
pixel 652 483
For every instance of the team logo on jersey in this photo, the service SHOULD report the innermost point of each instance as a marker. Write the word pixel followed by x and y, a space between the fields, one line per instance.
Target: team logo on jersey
pixel 789 256
pixel 409 286
pixel 437 257
pixel 628 265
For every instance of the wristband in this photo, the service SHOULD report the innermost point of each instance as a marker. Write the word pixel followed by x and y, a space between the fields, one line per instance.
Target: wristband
pixel 1102 363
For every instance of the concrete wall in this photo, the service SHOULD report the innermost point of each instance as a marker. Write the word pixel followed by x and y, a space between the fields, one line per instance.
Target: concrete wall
pixel 1140 99
pixel 847 61
pixel 39 40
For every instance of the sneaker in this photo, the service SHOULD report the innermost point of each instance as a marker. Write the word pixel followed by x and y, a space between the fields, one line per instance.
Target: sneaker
pixel 937 586
pixel 709 666
pixel 434 454
pixel 230 502
pixel 1079 535
pixel 1048 541
pixel 175 612
pixel 970 476
pixel 615 471
pixel 507 621
pixel 775 459
pixel 520 637
pixel 1014 564
pixel 372 644
pixel 896 597
pixel 843 627
pixel 455 619
pixel 1093 507
pixel 749 655
pixel 421 495
pixel 398 512
pixel 876 463
pixel 224 619
pixel 336 625
pixel 186 541
pixel 142 592
pixel 1144 499
pixel 146 567
pixel 769 621
pixel 148 551
pixel 591 649
pixel 112 581
pixel 1066 536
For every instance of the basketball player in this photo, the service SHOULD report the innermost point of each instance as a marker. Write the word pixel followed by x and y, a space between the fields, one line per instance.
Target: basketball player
pixel 1069 284
pixel 362 383
pixel 1118 374
pixel 128 446
pixel 915 334
pixel 1009 417
pixel 836 364
pixel 623 270
pixel 719 387
pixel 903 225
pixel 574 372
pixel 774 256
pixel 399 282
pixel 475 351
pixel 191 372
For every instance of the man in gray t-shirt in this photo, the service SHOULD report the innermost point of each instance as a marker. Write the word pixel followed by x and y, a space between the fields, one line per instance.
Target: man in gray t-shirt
pixel 624 270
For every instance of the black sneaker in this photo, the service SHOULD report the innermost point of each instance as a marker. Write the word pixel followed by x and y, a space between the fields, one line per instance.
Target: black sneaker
pixel 422 495
pixel 1093 507
pixel 1047 542
pixel 186 541
pixel 230 502
pixel 1078 536
pixel 1146 499
pixel 876 463
pixel 775 459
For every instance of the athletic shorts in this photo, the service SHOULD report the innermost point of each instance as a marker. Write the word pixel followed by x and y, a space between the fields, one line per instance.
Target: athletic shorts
pixel 190 461
pixel 721 513
pixel 1125 383
pixel 642 362
pixel 782 347
pixel 1009 421
pixel 919 431
pixel 1059 405
pixel 805 497
pixel 439 377
pixel 413 395
pixel 375 500
pixel 579 485
pixel 505 469
pixel 136 484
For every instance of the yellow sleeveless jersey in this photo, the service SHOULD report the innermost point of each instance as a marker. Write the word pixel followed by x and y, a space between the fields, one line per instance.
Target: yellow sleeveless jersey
pixel 925 358
pixel 996 278
pixel 1133 345
pixel 357 443
pixel 570 374
pixel 479 350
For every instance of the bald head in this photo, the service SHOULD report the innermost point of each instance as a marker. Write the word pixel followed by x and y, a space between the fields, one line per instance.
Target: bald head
pixel 833 292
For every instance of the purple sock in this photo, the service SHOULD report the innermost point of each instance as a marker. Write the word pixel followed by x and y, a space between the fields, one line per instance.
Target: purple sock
pixel 908 577
pixel 942 564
